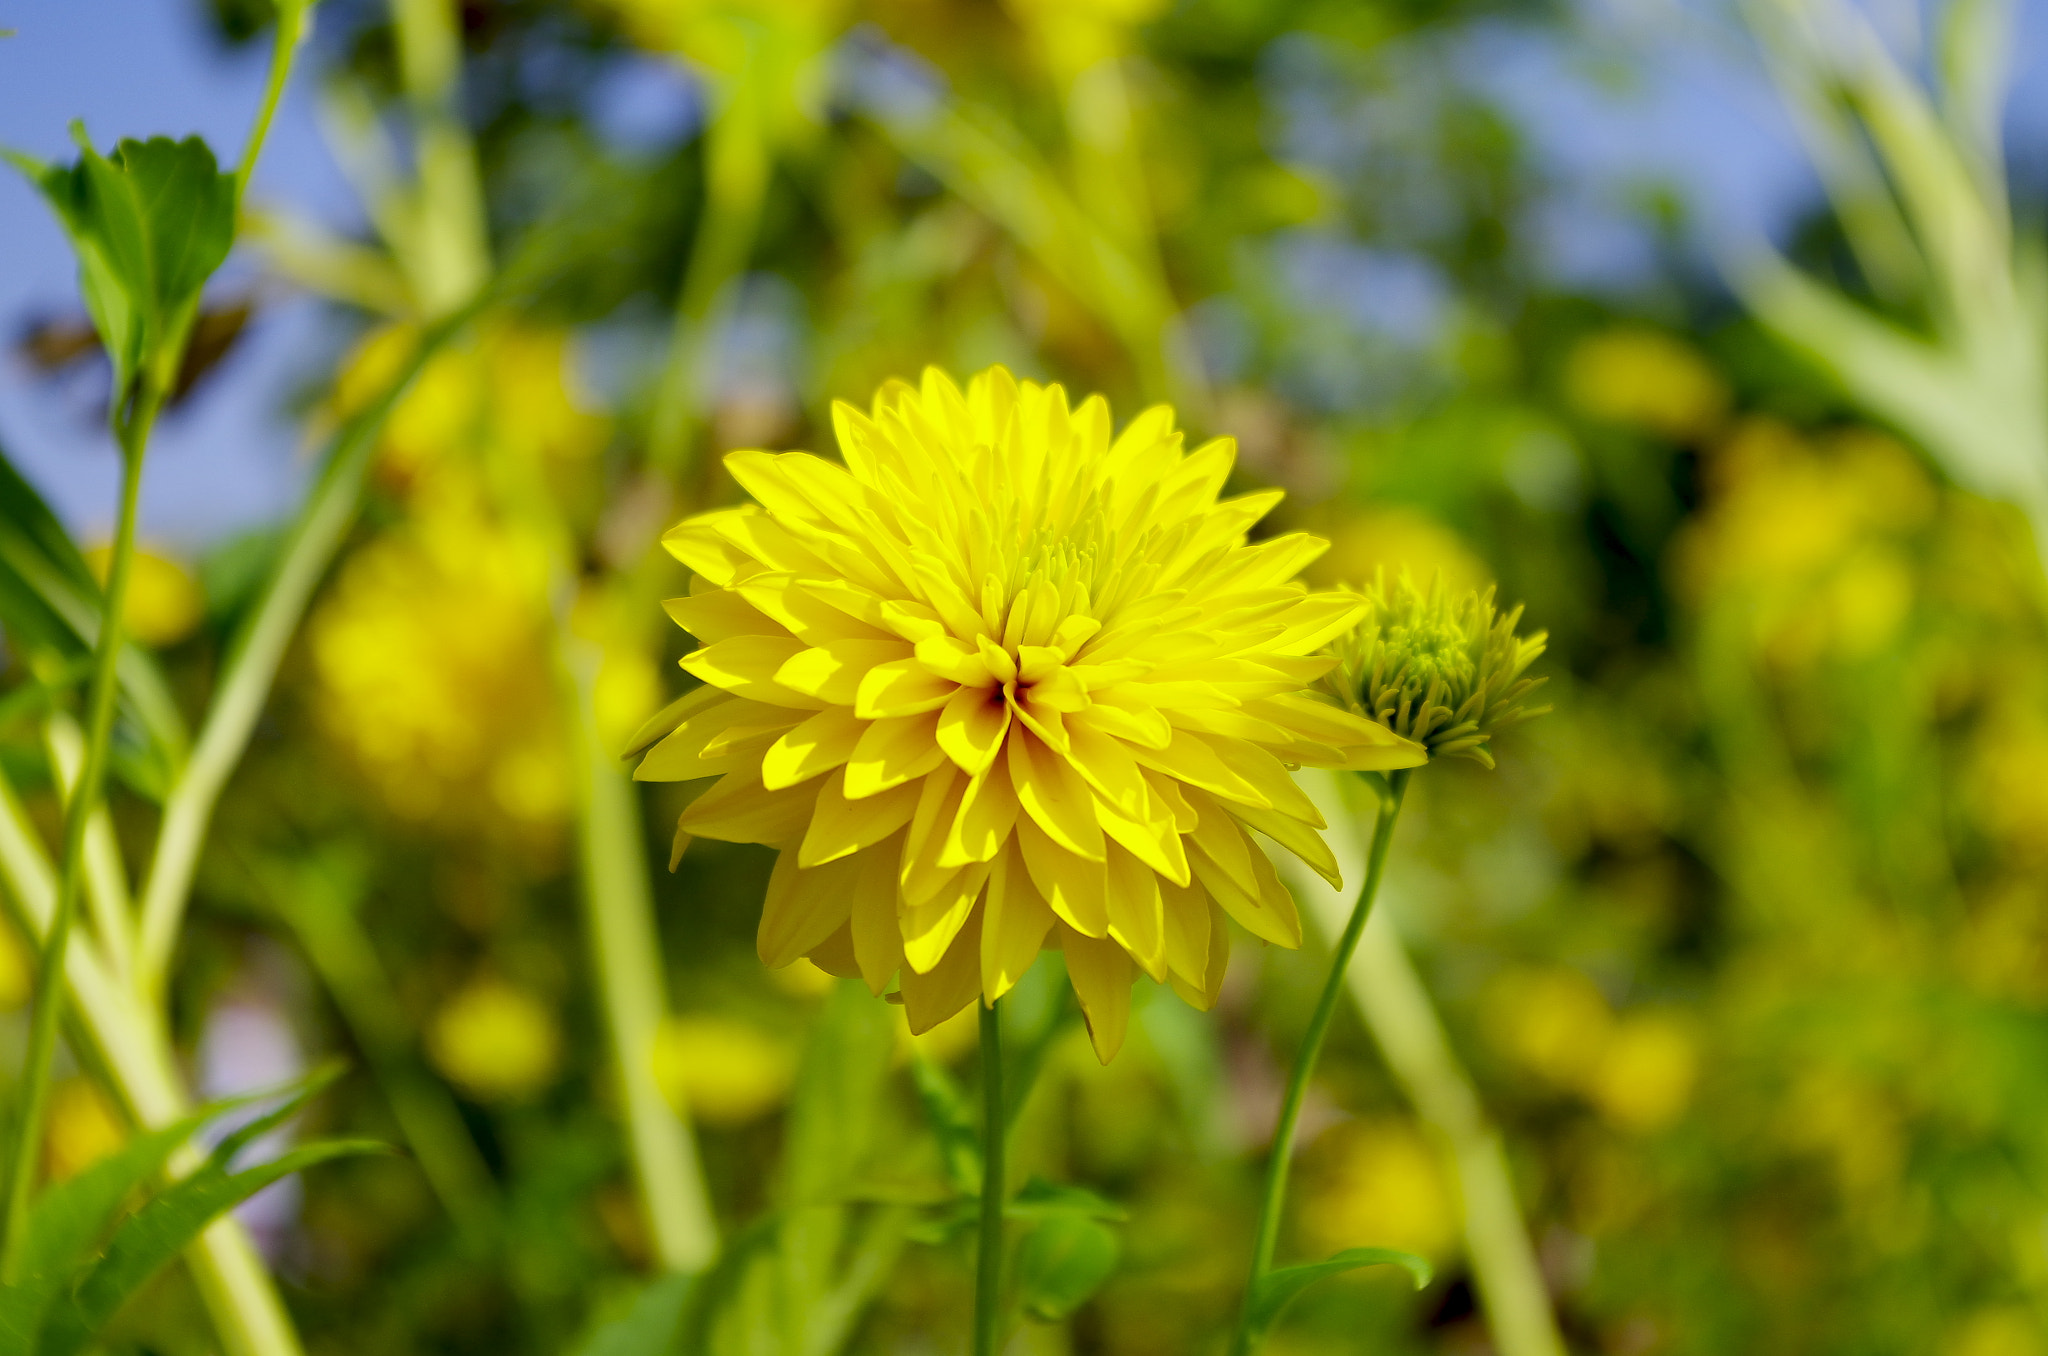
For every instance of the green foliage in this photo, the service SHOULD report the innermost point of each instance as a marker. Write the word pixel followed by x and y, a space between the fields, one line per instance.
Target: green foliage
pixel 1277 1289
pixel 149 224
pixel 1062 1263
pixel 83 1256
pixel 50 606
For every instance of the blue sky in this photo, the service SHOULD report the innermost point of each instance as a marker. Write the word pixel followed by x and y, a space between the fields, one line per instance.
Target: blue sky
pixel 1608 111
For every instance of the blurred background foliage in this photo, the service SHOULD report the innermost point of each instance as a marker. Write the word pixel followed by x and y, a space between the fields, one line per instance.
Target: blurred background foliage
pixel 1746 946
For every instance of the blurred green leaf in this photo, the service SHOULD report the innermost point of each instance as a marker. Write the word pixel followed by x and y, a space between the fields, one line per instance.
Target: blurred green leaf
pixel 650 1325
pixel 1062 1262
pixel 1277 1289
pixel 1041 1199
pixel 50 601
pixel 945 1110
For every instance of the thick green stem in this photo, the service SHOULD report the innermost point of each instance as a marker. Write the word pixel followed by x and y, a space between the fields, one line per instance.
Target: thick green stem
pixel 988 1271
pixel 131 430
pixel 1268 1237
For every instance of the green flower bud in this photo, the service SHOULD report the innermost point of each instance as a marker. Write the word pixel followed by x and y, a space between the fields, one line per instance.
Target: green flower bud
pixel 1444 671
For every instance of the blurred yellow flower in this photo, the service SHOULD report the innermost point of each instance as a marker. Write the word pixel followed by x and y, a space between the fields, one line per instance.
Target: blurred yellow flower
pixel 508 391
pixel 2009 1330
pixel 1378 1184
pixel 722 1070
pixel 1646 379
pixel 1644 1076
pixel 1554 1022
pixel 1073 35
pixel 83 1127
pixel 1002 680
pixel 497 1041
pixel 431 668
pixel 164 603
pixel 1392 538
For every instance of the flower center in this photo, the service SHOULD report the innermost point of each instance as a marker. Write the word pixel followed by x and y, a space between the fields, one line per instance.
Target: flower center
pixel 1429 649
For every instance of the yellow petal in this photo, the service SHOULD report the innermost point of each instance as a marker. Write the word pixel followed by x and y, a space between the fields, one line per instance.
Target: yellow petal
pixel 719 614
pixel 685 755
pixel 842 827
pixel 1077 889
pixel 892 752
pixel 903 687
pixel 803 908
pixel 988 811
pixel 738 809
pixel 833 672
pixel 746 665
pixel 929 928
pixel 1101 972
pixel 1055 797
pixel 1137 918
pixel 951 985
pixel 1015 919
pixel 1190 758
pixel 1203 996
pixel 819 744
pixel 972 726
pixel 1185 910
pixel 877 936
pixel 1297 837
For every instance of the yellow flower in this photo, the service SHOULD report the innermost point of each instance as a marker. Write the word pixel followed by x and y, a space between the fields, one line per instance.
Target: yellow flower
pixel 83 1128
pixel 721 1070
pixel 1439 668
pixel 1002 681
pixel 496 1040
pixel 1646 1072
pixel 163 603
pixel 1647 379
pixel 1379 1183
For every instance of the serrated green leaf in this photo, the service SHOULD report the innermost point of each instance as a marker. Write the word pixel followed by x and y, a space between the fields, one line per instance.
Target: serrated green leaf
pixel 946 1111
pixel 69 1219
pixel 161 1229
pixel 1062 1262
pixel 1277 1289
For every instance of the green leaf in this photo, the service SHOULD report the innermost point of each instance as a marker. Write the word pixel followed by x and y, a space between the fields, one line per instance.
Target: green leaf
pixel 650 1324
pixel 1277 1289
pixel 149 226
pixel 69 1219
pixel 161 1229
pixel 51 602
pixel 946 1110
pixel 1041 1199
pixel 1062 1262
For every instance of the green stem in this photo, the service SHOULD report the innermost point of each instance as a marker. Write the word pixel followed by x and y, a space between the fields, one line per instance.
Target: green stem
pixel 252 660
pixel 736 166
pixel 291 25
pixel 626 952
pixel 1305 1058
pixel 131 430
pixel 988 1274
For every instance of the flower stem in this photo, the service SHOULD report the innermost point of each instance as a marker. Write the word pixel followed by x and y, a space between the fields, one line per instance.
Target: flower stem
pixel 1305 1058
pixel 132 424
pixel 988 1278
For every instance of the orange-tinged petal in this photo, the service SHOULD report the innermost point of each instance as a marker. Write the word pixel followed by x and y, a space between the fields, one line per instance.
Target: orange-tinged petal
pixel 972 726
